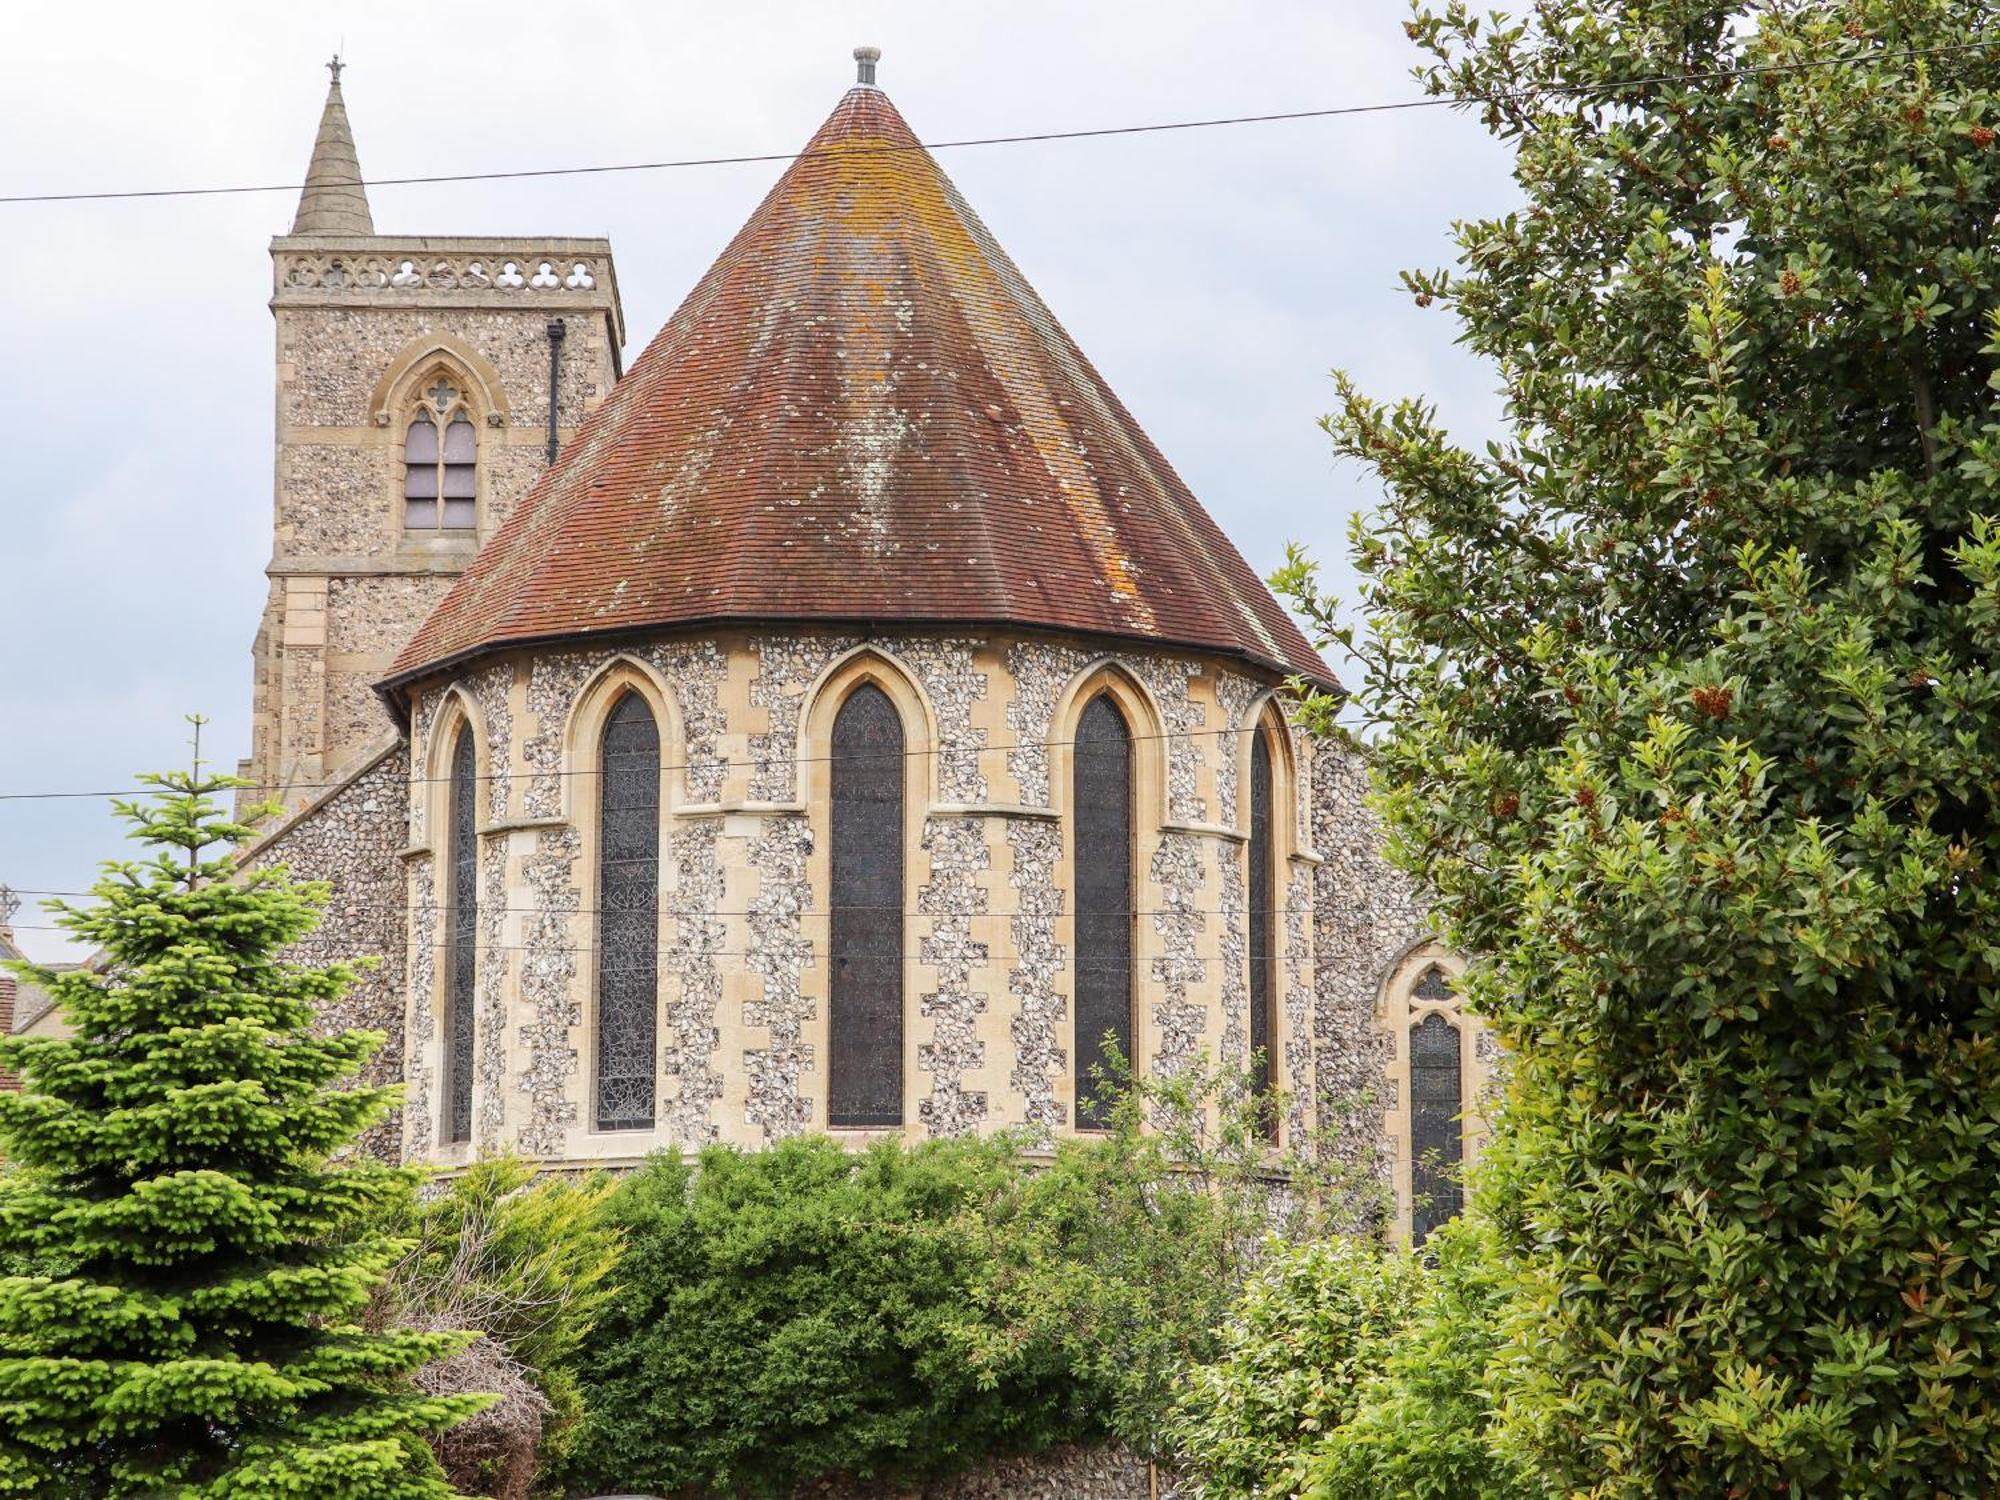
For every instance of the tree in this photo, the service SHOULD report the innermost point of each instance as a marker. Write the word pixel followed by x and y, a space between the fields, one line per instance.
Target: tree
pixel 196 1332
pixel 1691 727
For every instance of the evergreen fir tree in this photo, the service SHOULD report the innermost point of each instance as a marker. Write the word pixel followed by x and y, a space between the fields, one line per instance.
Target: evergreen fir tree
pixel 194 1329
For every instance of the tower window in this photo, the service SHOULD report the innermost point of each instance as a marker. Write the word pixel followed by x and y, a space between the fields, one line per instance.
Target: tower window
pixel 462 904
pixel 1103 830
pixel 865 1011
pixel 441 463
pixel 628 856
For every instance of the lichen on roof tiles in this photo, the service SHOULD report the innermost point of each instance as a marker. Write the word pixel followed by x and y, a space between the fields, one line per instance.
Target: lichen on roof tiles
pixel 862 412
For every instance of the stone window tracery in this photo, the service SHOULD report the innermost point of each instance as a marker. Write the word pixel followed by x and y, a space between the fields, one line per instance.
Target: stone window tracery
pixel 462 928
pixel 1102 804
pixel 865 941
pixel 628 887
pixel 441 460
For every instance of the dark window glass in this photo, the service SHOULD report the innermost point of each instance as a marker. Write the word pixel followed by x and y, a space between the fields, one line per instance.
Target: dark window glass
pixel 1436 1143
pixel 1103 816
pixel 865 1022
pixel 1263 927
pixel 463 903
pixel 628 899
pixel 1432 986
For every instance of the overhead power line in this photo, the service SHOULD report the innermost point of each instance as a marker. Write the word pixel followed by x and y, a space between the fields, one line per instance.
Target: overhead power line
pixel 1440 101
pixel 721 763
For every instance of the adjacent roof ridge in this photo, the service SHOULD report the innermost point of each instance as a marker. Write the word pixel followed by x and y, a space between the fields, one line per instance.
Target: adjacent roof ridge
pixel 335 199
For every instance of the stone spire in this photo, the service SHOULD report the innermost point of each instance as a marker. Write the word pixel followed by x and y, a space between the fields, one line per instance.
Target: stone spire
pixel 334 200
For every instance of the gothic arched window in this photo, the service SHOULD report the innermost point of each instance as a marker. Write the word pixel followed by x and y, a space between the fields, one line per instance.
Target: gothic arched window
pixel 1102 803
pixel 1437 1101
pixel 462 955
pixel 628 924
pixel 1263 929
pixel 441 462
pixel 865 941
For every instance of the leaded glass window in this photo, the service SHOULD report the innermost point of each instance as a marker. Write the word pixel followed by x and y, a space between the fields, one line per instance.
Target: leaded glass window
pixel 462 969
pixel 1263 929
pixel 441 462
pixel 1432 987
pixel 1436 1138
pixel 1103 817
pixel 628 899
pixel 865 1020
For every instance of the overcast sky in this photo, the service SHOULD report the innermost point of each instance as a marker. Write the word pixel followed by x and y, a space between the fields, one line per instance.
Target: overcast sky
pixel 1215 277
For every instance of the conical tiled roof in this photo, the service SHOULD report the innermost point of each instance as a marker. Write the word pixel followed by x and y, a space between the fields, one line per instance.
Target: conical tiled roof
pixel 862 413
pixel 334 200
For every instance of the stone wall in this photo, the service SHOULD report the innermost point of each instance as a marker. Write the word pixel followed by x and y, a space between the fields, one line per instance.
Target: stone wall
pixel 744 720
pixel 1070 1473
pixel 350 838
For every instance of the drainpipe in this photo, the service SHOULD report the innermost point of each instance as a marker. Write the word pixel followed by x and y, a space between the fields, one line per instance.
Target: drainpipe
pixel 556 333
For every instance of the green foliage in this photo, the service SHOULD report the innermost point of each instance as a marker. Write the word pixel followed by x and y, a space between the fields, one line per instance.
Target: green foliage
pixel 200 1337
pixel 1126 1251
pixel 791 1313
pixel 1692 720
pixel 526 1264
pixel 1422 1424
pixel 1311 1326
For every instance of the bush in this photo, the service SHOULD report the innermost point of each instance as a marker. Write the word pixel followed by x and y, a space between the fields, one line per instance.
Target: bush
pixel 1126 1251
pixel 524 1264
pixel 794 1312
pixel 1422 1425
pixel 1312 1326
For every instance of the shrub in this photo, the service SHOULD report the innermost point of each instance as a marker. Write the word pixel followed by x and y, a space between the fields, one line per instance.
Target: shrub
pixel 1310 1329
pixel 1125 1251
pixel 792 1313
pixel 1421 1427
pixel 523 1263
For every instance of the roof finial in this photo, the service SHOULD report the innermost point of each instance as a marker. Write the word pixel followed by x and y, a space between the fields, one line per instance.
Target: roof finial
pixel 335 200
pixel 865 59
pixel 9 904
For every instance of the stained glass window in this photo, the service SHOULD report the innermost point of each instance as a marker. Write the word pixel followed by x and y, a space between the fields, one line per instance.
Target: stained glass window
pixel 440 478
pixel 1436 1139
pixel 1432 986
pixel 1103 816
pixel 628 898
pixel 865 1021
pixel 1263 927
pixel 462 901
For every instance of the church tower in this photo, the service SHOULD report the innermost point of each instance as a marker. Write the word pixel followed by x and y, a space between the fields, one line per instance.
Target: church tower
pixel 422 386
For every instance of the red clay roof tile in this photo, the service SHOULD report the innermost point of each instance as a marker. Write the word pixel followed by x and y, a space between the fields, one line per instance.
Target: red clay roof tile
pixel 863 412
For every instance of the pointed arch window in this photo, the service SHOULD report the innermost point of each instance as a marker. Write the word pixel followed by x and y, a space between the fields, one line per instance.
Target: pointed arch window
pixel 1263 935
pixel 1437 1104
pixel 628 891
pixel 1102 803
pixel 462 966
pixel 441 461
pixel 865 1010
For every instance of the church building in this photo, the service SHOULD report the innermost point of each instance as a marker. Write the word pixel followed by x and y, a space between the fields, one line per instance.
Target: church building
pixel 844 719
